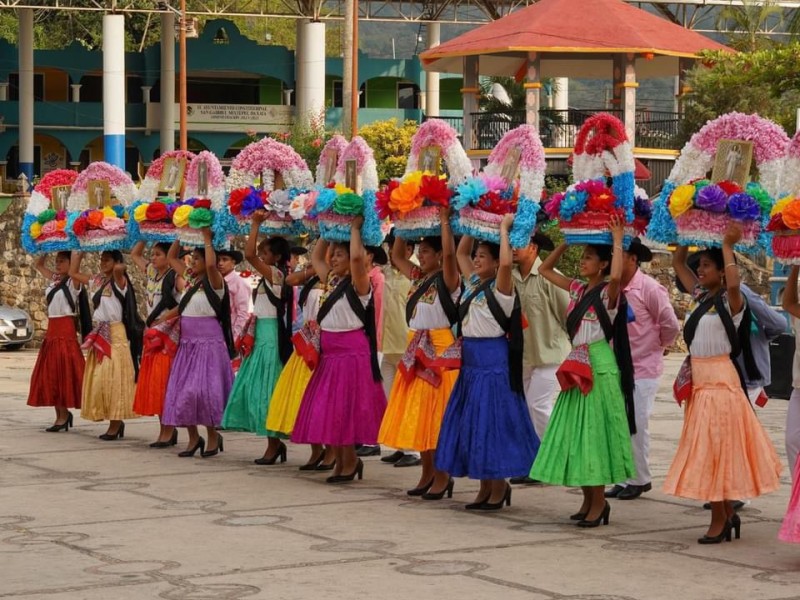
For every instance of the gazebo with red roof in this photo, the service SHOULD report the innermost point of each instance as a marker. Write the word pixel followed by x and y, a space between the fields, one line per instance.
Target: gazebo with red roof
pixel 569 38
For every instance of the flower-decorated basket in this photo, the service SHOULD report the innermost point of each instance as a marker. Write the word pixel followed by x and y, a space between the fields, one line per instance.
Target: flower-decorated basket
pixel 353 195
pixel 483 200
pixel 267 175
pixel 45 226
pixel 784 224
pixel 99 205
pixel 204 205
pixel 413 201
pixel 679 218
pixel 150 186
pixel 584 211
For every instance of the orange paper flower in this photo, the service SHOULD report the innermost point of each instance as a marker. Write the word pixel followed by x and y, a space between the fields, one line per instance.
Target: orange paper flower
pixel 95 218
pixel 791 215
pixel 406 197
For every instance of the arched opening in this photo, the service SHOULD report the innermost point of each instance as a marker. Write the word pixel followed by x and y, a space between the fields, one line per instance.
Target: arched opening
pixel 93 152
pixel 49 154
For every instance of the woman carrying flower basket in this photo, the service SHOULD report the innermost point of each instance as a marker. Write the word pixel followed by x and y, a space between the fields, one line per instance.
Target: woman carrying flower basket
pixel 723 452
pixel 428 369
pixel 265 343
pixel 163 289
pixel 57 377
pixel 201 378
pixel 114 344
pixel 486 432
pixel 344 402
pixel 587 442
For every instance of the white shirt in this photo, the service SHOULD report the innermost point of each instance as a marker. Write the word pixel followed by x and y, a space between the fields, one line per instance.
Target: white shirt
pixel 60 307
pixel 431 315
pixel 589 330
pixel 479 322
pixel 153 289
pixel 710 339
pixel 341 317
pixel 199 306
pixel 311 307
pixel 110 309
pixel 263 308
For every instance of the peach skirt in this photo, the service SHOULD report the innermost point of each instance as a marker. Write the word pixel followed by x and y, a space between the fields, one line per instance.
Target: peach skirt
pixel 724 453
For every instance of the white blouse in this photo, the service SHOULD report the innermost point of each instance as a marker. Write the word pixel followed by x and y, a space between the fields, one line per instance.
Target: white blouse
pixel 311 307
pixel 589 330
pixel 263 308
pixel 153 289
pixel 199 306
pixel 479 322
pixel 60 307
pixel 110 309
pixel 429 314
pixel 341 317
pixel 710 339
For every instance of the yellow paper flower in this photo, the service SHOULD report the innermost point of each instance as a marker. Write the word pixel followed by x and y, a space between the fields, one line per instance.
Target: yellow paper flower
pixel 139 214
pixel 405 197
pixel 181 216
pixel 780 205
pixel 414 177
pixel 36 230
pixel 109 212
pixel 681 200
pixel 341 189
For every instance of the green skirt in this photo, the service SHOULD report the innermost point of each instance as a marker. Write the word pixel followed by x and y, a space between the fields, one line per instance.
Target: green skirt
pixel 587 441
pixel 248 403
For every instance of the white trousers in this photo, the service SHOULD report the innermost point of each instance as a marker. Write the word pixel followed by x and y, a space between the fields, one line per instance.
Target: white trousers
pixel 541 389
pixel 644 398
pixel 793 429
pixel 389 364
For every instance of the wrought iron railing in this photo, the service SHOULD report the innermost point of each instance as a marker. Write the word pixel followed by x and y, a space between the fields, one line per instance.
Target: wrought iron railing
pixel 657 129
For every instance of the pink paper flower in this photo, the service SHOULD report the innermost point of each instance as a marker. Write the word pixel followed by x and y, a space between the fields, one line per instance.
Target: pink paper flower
pixel 526 139
pixel 265 154
pixel 156 168
pixel 769 139
pixel 214 172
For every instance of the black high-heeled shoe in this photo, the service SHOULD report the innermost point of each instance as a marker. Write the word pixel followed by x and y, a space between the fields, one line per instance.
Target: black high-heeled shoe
pixel 281 453
pixel 604 517
pixel 357 472
pixel 199 445
pixel 736 526
pixel 312 465
pixel 578 516
pixel 725 534
pixel 325 467
pixel 439 495
pixel 477 504
pixel 62 426
pixel 114 436
pixel 220 448
pixel 172 441
pixel 420 491
pixel 498 505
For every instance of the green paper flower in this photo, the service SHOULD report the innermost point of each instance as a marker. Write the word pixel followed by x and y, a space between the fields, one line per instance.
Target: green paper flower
pixel 761 196
pixel 348 204
pixel 701 183
pixel 166 200
pixel 200 217
pixel 45 216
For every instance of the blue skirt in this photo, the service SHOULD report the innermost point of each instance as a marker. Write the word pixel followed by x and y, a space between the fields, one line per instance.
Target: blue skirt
pixel 487 431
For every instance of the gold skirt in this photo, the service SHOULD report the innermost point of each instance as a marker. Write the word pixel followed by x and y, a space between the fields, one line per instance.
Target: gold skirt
pixel 108 385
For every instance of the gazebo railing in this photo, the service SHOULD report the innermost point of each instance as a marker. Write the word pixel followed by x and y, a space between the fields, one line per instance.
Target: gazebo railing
pixel 657 129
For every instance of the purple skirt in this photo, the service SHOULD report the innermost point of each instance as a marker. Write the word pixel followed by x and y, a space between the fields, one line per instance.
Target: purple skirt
pixel 342 404
pixel 201 376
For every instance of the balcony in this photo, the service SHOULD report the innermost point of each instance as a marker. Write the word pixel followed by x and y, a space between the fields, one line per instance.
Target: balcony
pixel 655 130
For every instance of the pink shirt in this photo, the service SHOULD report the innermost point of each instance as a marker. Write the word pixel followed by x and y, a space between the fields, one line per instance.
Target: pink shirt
pixel 655 326
pixel 241 298
pixel 377 280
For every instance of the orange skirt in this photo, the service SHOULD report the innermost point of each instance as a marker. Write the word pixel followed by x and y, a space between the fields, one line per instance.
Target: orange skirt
pixel 58 374
pixel 724 453
pixel 152 384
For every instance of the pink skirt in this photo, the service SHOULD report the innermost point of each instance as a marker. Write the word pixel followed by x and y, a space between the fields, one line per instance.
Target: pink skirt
pixel 790 529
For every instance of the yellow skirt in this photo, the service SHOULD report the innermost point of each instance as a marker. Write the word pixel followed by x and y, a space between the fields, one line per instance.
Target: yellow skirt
pixel 109 386
pixel 288 393
pixel 416 408
pixel 724 452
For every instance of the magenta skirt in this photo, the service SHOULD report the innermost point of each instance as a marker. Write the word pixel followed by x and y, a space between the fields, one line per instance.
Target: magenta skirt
pixel 342 404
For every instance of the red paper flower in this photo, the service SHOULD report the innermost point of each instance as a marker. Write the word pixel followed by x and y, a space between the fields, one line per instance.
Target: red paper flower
pixel 435 190
pixel 236 198
pixel 156 211
pixel 382 199
pixel 601 202
pixel 493 203
pixel 203 203
pixel 729 187
pixel 80 226
pixel 776 223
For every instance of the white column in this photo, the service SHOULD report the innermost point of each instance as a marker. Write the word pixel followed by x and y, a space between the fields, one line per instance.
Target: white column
pixel 146 93
pixel 76 92
pixel 26 99
pixel 469 99
pixel 432 79
pixel 561 93
pixel 629 86
pixel 311 84
pixel 3 91
pixel 287 97
pixel 114 90
pixel 347 67
pixel 167 105
pixel 298 64
pixel 533 90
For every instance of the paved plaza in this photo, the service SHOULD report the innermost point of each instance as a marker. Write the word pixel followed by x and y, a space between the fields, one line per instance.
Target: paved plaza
pixel 86 519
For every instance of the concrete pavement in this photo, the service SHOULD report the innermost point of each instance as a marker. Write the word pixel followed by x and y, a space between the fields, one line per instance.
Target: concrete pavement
pixel 85 519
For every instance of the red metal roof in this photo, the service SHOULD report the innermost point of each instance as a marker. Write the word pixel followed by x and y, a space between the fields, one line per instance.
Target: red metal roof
pixel 576 26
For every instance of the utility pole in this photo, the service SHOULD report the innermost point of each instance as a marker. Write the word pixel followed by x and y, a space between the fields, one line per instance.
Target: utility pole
pixel 184 135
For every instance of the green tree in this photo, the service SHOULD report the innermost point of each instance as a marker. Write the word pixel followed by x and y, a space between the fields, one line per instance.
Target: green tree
pixel 749 22
pixel 391 143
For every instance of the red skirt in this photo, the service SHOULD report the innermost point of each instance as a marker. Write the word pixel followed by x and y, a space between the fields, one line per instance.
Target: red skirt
pixel 58 374
pixel 151 387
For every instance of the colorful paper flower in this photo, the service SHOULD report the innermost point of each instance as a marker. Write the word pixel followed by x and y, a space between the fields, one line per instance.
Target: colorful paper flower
pixel 573 203
pixel 36 229
pixel 47 215
pixel 156 211
pixel 780 205
pixel 383 199
pixel 761 196
pixel 254 201
pixel 348 204
pixel 730 187
pixel 203 203
pixel 405 197
pixel 743 207
pixel 140 213
pixel 791 215
pixel 80 226
pixel 776 223
pixel 297 207
pixel 279 202
pixel 200 217
pixel 95 219
pixel 712 198
pixel 681 200
pixel 49 228
pixel 181 216
pixel 236 199
pixel 435 190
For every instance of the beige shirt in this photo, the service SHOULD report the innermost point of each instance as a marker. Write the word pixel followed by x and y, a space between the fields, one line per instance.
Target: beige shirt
pixel 545 307
pixel 395 295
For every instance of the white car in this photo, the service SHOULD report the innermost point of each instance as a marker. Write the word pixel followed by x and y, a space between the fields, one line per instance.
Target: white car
pixel 16 327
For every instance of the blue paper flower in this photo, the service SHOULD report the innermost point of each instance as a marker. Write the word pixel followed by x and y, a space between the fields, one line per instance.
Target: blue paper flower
pixel 573 203
pixel 743 207
pixel 712 198
pixel 469 192
pixel 252 202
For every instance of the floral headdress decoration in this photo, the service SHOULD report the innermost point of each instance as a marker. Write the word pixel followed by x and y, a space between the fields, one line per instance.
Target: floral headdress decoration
pixel 693 210
pixel 584 210
pixel 45 224
pixel 784 224
pixel 329 160
pixel 484 199
pixel 99 227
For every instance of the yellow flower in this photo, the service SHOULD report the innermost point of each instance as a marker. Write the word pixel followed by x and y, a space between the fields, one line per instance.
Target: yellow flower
pixel 109 212
pixel 140 213
pixel 342 189
pixel 181 216
pixel 780 205
pixel 36 230
pixel 681 200
pixel 415 177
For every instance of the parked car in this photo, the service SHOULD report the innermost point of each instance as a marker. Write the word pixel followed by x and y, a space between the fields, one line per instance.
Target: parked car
pixel 16 327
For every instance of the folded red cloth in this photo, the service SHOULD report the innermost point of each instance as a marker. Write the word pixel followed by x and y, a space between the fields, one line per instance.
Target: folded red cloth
pixel 576 371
